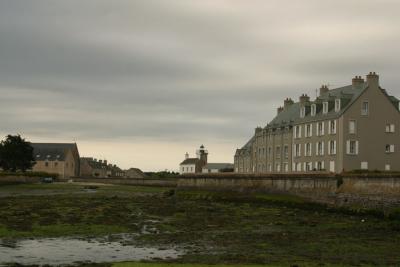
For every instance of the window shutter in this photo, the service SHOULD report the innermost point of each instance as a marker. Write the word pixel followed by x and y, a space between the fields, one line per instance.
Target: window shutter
pixel 323 165
pixel 316 149
pixel 323 144
pixel 348 147
pixel 356 147
pixel 300 131
pixel 305 149
pixel 391 148
pixel 305 166
pixel 334 147
pixel 392 128
pixel 310 129
pixel 323 128
pixel 295 132
pixel 329 127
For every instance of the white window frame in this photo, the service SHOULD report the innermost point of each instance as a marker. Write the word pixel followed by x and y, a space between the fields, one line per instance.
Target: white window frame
pixel 390 128
pixel 389 148
pixel 364 165
pixel 302 112
pixel 313 110
pixel 387 167
pixel 330 129
pixel 308 149
pixel 325 107
pixel 364 112
pixel 319 148
pixel 352 144
pixel 354 130
pixel 320 128
pixel 308 131
pixel 332 148
pixel 337 105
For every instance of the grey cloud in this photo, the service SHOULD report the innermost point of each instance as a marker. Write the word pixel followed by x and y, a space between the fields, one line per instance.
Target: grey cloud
pixel 180 70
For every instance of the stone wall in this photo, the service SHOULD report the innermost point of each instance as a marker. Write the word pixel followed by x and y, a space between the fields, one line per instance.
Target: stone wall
pixel 352 191
pixel 129 181
pixel 19 179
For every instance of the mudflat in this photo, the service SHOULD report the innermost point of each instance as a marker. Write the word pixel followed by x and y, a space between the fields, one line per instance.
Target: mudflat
pixel 206 227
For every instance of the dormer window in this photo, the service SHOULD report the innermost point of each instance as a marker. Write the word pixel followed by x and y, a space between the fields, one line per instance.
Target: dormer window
pixel 325 107
pixel 302 112
pixel 313 109
pixel 337 105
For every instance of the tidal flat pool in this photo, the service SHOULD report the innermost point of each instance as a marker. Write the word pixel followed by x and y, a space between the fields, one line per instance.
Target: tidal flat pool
pixel 62 251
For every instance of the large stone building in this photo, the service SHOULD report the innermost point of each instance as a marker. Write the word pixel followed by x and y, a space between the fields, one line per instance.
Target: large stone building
pixel 57 158
pixel 348 128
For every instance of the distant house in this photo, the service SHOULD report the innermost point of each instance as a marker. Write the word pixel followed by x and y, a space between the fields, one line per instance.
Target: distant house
pixel 218 167
pixel 134 173
pixel 91 167
pixel 58 158
pixel 194 165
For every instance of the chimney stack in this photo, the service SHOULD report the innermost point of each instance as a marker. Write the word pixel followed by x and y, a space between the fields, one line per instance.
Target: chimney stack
pixel 373 79
pixel 280 109
pixel 324 89
pixel 287 103
pixel 186 155
pixel 105 162
pixel 304 98
pixel 356 81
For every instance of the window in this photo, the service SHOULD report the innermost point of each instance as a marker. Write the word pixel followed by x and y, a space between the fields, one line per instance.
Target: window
pixel 319 166
pixel 332 147
pixel 320 149
pixel 286 167
pixel 352 147
pixel 308 130
pixel 278 152
pixel 313 109
pixel 325 107
pixel 352 127
pixel 320 129
pixel 278 167
pixel 308 166
pixel 286 151
pixel 297 150
pixel 269 151
pixel 298 167
pixel 390 128
pixel 389 148
pixel 337 105
pixel 302 112
pixel 297 131
pixel 332 127
pixel 365 108
pixel 55 164
pixel 387 167
pixel 364 165
pixel 46 164
pixel 308 149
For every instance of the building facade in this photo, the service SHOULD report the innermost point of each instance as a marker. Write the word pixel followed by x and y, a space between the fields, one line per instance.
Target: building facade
pixel 194 165
pixel 57 158
pixel 217 167
pixel 348 128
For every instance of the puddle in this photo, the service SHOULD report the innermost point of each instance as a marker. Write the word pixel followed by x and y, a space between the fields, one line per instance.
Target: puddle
pixel 59 251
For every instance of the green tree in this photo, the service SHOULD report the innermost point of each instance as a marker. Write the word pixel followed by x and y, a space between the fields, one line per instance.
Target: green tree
pixel 16 154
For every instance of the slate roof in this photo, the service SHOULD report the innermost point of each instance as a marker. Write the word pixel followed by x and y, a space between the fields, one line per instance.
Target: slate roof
pixel 190 161
pixel 291 115
pixel 51 151
pixel 218 166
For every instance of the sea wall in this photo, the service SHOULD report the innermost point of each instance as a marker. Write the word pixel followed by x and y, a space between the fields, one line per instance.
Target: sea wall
pixel 352 190
pixel 129 181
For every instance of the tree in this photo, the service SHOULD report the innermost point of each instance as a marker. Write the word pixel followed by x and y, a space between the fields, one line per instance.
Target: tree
pixel 16 154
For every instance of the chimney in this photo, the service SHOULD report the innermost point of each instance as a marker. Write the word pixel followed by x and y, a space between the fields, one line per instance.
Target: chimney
pixel 373 79
pixel 186 155
pixel 280 109
pixel 357 81
pixel 304 98
pixel 100 161
pixel 105 162
pixel 324 89
pixel 287 103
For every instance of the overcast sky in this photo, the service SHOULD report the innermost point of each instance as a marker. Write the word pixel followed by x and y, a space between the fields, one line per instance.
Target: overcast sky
pixel 141 82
